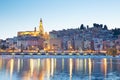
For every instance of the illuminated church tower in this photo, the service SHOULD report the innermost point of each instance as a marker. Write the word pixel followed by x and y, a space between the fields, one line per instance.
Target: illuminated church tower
pixel 41 30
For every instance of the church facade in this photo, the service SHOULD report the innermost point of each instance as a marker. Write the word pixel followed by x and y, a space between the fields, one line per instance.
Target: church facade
pixel 34 33
pixel 32 40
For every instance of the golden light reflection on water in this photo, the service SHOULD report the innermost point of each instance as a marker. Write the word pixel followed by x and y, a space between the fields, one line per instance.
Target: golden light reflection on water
pixel 70 67
pixel 31 67
pixel 52 67
pixel 11 68
pixel 47 68
pixel 18 66
pixel 33 72
pixel 38 64
pixel 41 75
pixel 104 66
pixel 90 68
pixel 1 63
pixel 81 65
pixel 85 65
pixel 77 64
pixel 62 63
pixel 37 72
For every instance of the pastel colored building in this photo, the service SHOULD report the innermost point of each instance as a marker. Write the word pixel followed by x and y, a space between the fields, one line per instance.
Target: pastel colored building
pixel 108 44
pixel 117 43
pixel 55 44
pixel 30 42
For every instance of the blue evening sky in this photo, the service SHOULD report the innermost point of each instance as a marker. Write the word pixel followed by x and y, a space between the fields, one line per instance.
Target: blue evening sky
pixel 24 15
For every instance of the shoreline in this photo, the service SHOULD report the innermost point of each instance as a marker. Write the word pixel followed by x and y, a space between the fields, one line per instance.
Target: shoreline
pixel 51 53
pixel 60 53
pixel 57 56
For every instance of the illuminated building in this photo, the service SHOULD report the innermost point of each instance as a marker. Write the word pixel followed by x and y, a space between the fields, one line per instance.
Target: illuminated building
pixel 40 32
pixel 32 40
pixel 53 44
pixel 30 43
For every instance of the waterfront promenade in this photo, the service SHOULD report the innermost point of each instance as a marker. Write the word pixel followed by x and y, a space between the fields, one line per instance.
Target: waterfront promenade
pixel 52 53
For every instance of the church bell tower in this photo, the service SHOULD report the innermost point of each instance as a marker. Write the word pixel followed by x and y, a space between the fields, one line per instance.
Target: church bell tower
pixel 41 30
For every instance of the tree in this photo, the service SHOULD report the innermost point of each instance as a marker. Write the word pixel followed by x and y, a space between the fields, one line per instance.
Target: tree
pixel 101 25
pixel 116 31
pixel 95 25
pixel 87 26
pixel 105 27
pixel 82 27
pixel 112 52
pixel 3 47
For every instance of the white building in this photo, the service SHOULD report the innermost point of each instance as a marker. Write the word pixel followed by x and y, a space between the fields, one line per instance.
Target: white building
pixel 78 44
pixel 98 45
pixel 87 44
pixel 117 42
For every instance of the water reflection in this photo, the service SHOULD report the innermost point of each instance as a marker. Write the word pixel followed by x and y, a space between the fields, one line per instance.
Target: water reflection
pixel 58 68
pixel 81 65
pixel 104 66
pixel 31 67
pixel 85 65
pixel 62 64
pixel 70 67
pixel 1 63
pixel 111 65
pixel 18 66
pixel 52 67
pixel 11 68
pixel 90 68
pixel 77 65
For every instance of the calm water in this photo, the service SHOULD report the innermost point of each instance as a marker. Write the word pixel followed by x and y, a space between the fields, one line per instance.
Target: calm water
pixel 85 68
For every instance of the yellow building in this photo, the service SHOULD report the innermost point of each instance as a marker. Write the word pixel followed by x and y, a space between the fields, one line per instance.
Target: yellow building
pixel 40 32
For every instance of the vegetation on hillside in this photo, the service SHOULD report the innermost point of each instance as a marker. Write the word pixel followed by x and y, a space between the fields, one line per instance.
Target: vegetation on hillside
pixel 112 52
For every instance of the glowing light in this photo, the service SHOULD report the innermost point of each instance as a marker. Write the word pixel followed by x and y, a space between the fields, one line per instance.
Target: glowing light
pixel 90 67
pixel 77 64
pixel 48 68
pixel 0 63
pixel 31 67
pixel 41 76
pixel 18 66
pixel 71 67
pixel 52 66
pixel 104 66
pixel 38 63
pixel 85 64
pixel 11 68
pixel 63 64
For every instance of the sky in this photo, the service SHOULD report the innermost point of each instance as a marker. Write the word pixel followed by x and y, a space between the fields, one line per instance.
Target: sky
pixel 24 15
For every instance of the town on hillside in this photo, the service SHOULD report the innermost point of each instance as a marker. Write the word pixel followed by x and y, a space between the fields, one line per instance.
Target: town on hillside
pixel 98 39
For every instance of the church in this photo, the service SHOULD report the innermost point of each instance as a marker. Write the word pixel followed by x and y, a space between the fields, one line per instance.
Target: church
pixel 34 33
pixel 32 40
